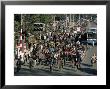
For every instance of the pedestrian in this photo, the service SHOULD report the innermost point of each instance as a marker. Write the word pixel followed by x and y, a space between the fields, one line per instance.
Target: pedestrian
pixel 93 59
pixel 18 64
pixel 62 56
pixel 30 63
pixel 34 60
pixel 51 62
pixel 25 58
pixel 78 56
pixel 56 58
pixel 72 56
pixel 60 62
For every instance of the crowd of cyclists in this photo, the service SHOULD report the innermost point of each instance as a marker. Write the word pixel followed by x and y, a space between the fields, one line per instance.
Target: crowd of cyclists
pixel 54 50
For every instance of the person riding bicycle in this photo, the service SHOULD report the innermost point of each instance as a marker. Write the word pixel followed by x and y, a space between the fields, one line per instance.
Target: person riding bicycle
pixel 30 62
pixel 18 64
pixel 78 61
pixel 94 58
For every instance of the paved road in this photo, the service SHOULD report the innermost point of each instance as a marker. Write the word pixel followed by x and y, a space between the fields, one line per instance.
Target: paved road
pixel 86 68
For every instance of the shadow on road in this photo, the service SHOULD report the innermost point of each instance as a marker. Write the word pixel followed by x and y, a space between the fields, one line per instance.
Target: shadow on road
pixel 89 71
pixel 56 72
pixel 88 65
pixel 44 72
pixel 38 72
pixel 69 69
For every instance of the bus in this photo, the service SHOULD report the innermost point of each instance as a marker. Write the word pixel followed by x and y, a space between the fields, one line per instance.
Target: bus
pixel 39 26
pixel 92 36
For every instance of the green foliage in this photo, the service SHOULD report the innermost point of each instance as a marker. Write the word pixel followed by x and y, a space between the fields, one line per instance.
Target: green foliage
pixel 29 20
pixel 45 18
pixel 17 17
pixel 17 26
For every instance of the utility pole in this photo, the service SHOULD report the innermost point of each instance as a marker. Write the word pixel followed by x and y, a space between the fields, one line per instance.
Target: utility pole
pixel 70 19
pixel 79 20
pixel 54 23
pixel 73 21
pixel 21 21
pixel 66 20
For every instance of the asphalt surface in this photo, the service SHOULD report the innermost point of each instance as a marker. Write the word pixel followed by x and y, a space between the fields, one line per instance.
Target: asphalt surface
pixel 86 68
pixel 40 70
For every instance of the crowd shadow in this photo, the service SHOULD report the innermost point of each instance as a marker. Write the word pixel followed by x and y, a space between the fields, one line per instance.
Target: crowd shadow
pixel 44 72
pixel 88 65
pixel 89 71
pixel 36 72
pixel 55 72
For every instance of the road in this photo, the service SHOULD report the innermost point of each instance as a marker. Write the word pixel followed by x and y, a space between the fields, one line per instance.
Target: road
pixel 86 68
